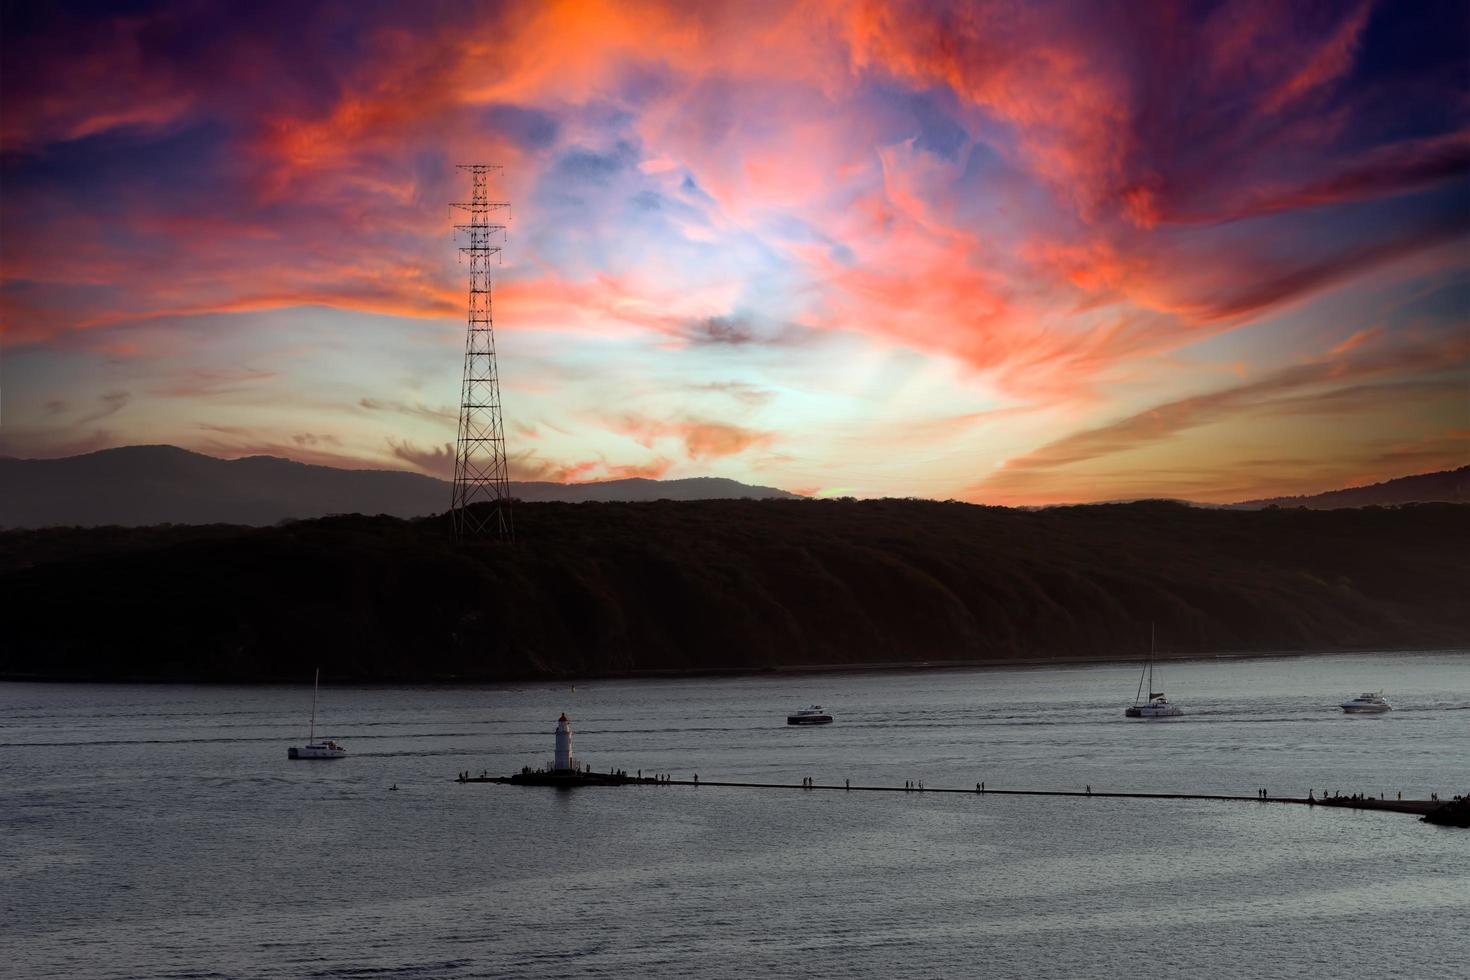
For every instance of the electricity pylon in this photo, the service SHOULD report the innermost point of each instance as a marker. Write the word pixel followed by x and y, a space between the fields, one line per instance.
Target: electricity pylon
pixel 481 504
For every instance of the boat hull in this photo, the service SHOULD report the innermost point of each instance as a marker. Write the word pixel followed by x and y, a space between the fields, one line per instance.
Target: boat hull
pixel 809 720
pixel 1366 709
pixel 1152 711
pixel 313 752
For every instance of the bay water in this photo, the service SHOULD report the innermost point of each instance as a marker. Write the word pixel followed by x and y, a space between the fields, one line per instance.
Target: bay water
pixel 159 831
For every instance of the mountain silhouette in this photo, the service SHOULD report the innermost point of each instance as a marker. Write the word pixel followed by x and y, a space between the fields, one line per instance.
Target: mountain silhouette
pixel 1446 486
pixel 144 485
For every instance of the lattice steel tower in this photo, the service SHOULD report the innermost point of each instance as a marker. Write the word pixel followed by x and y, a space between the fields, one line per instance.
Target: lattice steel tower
pixel 481 476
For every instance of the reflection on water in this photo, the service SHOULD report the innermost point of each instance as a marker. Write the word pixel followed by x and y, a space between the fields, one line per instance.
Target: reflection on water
pixel 160 831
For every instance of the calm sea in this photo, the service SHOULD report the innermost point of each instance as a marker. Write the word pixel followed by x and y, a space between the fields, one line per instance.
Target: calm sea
pixel 150 831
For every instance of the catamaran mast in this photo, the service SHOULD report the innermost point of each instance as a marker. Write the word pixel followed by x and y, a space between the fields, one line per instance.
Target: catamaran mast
pixel 1150 661
pixel 316 683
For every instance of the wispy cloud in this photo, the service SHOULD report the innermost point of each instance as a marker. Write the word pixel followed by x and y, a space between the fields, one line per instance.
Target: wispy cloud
pixel 107 404
pixel 432 460
pixel 1329 386
pixel 702 439
pixel 416 410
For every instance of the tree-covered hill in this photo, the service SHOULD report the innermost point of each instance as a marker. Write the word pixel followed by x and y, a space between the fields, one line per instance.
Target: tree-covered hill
pixel 599 588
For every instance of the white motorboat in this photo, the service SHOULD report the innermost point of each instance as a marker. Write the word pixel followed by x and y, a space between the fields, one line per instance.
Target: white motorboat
pixel 1367 704
pixel 327 748
pixel 809 716
pixel 1157 706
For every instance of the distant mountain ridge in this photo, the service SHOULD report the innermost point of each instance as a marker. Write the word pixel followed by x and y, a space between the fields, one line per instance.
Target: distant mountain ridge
pixel 143 485
pixel 1446 486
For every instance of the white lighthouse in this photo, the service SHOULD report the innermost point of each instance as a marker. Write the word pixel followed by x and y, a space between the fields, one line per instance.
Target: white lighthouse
pixel 563 744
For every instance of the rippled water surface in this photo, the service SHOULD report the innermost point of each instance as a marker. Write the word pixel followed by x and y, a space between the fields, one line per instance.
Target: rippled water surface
pixel 160 831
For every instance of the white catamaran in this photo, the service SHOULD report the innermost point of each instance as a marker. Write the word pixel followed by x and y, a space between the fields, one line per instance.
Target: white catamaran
pixel 325 749
pixel 1157 706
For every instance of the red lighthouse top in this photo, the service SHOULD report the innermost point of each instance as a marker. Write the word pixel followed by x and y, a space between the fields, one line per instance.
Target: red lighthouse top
pixel 563 716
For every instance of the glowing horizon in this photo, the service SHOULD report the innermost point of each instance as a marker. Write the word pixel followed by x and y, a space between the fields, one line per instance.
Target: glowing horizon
pixel 1009 253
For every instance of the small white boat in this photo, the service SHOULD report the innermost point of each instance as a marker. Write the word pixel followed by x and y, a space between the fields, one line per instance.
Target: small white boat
pixel 1367 704
pixel 809 716
pixel 325 749
pixel 1157 706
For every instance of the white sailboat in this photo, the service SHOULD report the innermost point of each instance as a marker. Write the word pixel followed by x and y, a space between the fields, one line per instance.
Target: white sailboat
pixel 1157 706
pixel 325 749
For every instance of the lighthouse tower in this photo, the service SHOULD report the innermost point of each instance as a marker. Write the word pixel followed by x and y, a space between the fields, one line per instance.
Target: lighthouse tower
pixel 563 744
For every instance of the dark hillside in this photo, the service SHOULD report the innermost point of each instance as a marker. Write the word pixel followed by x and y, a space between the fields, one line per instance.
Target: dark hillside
pixel 1446 486
pixel 615 587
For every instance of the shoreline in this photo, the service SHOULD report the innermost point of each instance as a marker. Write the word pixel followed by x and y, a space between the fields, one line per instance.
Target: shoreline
pixel 915 666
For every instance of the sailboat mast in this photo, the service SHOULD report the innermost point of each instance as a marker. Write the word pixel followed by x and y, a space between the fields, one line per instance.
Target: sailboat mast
pixel 315 684
pixel 1151 633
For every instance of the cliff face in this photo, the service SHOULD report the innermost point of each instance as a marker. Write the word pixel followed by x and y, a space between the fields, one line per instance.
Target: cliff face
pixel 602 588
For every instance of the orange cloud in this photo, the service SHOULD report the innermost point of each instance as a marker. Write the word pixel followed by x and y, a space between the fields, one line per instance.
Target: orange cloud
pixel 702 440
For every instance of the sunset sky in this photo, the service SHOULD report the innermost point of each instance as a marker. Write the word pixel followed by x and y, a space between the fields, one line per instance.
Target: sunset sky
pixel 1002 252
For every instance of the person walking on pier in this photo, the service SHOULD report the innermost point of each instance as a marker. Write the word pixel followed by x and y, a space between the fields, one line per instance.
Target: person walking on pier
pixel 1089 789
pixel 847 784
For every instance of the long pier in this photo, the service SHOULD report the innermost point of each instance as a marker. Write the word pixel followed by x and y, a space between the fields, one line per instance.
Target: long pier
pixel 1417 807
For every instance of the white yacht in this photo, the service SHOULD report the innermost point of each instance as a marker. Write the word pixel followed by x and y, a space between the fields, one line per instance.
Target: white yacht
pixel 809 716
pixel 325 749
pixel 1157 706
pixel 1367 704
